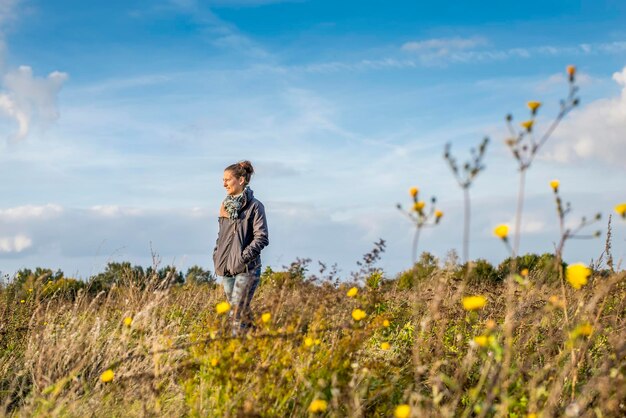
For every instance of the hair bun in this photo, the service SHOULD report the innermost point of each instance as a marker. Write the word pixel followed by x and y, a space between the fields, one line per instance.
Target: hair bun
pixel 246 165
pixel 242 169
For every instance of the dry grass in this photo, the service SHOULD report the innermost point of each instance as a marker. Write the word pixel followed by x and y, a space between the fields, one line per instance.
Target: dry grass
pixel 174 359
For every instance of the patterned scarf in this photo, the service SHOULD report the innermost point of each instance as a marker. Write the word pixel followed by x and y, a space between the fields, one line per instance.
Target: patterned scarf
pixel 232 204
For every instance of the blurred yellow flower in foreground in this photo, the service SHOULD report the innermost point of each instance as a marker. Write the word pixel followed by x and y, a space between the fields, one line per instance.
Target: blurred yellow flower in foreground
pixel 386 323
pixel 438 214
pixel 308 341
pixel 584 329
pixel 528 124
pixel 358 314
pixel 531 415
pixel 222 307
pixel 472 303
pixel 266 317
pixel 352 292
pixel 318 405
pixel 481 340
pixel 621 210
pixel 533 106
pixel 402 411
pixel 385 346
pixel 413 191
pixel 556 301
pixel 128 321
pixel 524 273
pixel 214 361
pixel 501 231
pixel 577 275
pixel 555 185
pixel 107 376
pixel 22 301
pixel 417 206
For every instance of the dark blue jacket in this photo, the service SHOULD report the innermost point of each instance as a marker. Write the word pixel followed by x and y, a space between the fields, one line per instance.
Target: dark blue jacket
pixel 240 241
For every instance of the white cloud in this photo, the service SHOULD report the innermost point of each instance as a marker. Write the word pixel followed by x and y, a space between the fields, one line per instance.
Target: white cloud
pixel 26 212
pixel 30 100
pixel 114 211
pixel 597 131
pixel 15 244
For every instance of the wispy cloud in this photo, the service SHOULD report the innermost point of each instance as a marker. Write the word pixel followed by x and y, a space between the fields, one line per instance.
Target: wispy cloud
pixel 443 52
pixel 220 33
pixel 440 51
pixel 444 46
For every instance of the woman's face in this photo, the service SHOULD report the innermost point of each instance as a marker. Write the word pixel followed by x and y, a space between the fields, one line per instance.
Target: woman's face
pixel 233 185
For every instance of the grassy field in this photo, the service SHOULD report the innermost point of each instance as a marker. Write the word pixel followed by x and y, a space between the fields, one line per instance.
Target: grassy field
pixel 538 347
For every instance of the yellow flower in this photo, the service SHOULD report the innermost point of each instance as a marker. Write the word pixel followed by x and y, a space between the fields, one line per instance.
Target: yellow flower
pixel 308 341
pixel 533 106
pixel 555 185
pixel 402 411
pixel 577 275
pixel 22 301
pixel 501 231
pixel 352 292
pixel 472 303
pixel 413 191
pixel 621 210
pixel 385 346
pixel 266 317
pixel 107 376
pixel 222 307
pixel 438 214
pixel 318 341
pixel 30 290
pixel 554 300
pixel 318 405
pixel 528 124
pixel 531 415
pixel 128 320
pixel 386 323
pixel 358 314
pixel 481 340
pixel 571 70
pixel 524 272
pixel 584 329
pixel 418 206
pixel 214 361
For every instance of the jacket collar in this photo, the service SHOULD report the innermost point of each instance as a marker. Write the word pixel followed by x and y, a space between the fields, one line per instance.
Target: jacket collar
pixel 248 195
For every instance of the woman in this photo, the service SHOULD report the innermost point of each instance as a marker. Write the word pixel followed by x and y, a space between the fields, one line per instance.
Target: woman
pixel 241 237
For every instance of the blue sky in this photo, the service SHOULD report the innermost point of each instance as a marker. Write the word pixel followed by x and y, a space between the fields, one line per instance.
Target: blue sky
pixel 118 118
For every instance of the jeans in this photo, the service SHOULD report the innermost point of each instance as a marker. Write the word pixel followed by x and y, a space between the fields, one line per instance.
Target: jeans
pixel 239 290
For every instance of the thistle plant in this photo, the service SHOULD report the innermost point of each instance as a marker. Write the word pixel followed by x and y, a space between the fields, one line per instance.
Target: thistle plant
pixel 570 233
pixel 420 217
pixel 525 145
pixel 576 274
pixel 464 178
